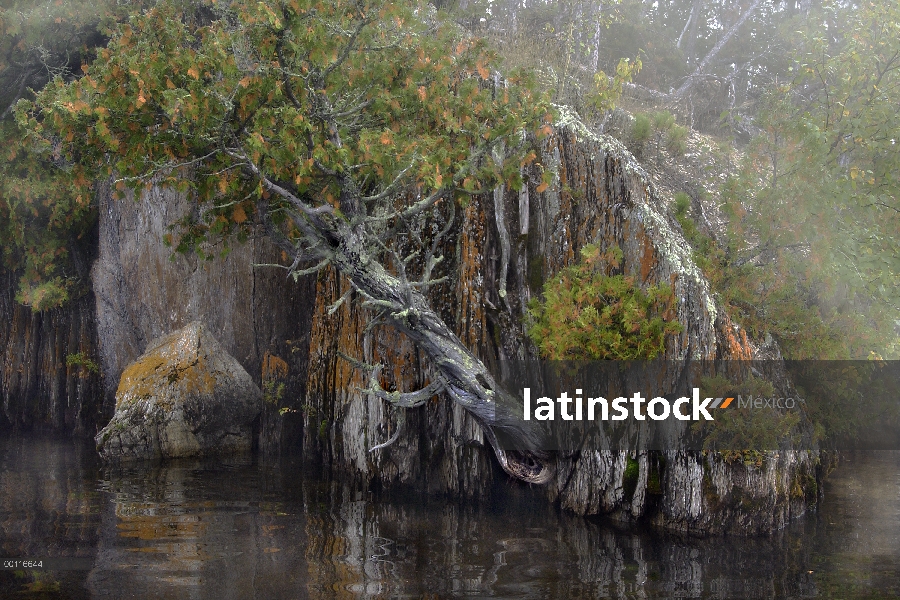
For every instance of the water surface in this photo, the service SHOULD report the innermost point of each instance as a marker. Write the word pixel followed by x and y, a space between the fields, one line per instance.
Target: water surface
pixel 243 529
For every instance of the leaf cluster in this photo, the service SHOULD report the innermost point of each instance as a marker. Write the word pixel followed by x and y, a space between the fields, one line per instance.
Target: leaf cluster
pixel 316 98
pixel 608 89
pixel 46 208
pixel 658 126
pixel 587 314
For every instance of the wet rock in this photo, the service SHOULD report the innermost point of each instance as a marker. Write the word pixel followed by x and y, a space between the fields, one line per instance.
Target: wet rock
pixel 185 396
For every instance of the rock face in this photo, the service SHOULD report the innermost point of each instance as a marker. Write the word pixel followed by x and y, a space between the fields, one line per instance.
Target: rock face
pixel 601 195
pixel 144 291
pixel 185 396
pixel 290 338
pixel 39 387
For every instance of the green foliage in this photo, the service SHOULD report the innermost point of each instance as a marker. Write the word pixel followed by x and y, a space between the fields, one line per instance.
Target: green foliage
pixel 630 477
pixel 706 254
pixel 43 38
pixel 587 314
pixel 765 299
pixel 46 210
pixel 817 198
pixel 676 140
pixel 854 398
pixel 84 361
pixel 662 121
pixel 682 204
pixel 303 96
pixel 608 89
pixel 273 391
pixel 744 434
pixel 641 130
pixel 657 126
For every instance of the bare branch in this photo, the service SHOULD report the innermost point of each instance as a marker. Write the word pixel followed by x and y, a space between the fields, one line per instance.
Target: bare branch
pixel 345 53
pixel 401 421
pixel 430 260
pixel 303 272
pixel 403 399
pixel 392 187
pixel 337 304
pixel 715 49
pixel 412 211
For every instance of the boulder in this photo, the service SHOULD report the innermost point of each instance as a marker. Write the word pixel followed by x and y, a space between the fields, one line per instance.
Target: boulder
pixel 185 396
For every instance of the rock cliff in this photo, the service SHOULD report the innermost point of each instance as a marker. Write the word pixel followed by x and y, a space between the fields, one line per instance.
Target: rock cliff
pixel 503 247
pixel 144 291
pixel 39 387
pixel 600 195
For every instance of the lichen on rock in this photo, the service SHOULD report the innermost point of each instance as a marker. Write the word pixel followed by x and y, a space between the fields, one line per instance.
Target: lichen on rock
pixel 185 396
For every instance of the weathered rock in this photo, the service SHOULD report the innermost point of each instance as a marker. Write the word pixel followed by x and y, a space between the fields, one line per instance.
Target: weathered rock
pixel 144 291
pixel 600 195
pixel 293 334
pixel 185 396
pixel 39 387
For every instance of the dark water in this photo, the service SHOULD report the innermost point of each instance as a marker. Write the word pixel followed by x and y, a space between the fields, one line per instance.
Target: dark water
pixel 243 530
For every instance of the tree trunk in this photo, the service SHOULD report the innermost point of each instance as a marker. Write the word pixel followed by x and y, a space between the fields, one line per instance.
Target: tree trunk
pixel 681 91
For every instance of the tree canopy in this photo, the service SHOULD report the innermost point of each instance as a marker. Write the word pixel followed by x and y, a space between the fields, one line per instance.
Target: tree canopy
pixel 43 216
pixel 409 106
pixel 329 125
pixel 820 194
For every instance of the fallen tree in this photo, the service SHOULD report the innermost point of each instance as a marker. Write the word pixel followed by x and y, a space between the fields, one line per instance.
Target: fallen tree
pixel 336 128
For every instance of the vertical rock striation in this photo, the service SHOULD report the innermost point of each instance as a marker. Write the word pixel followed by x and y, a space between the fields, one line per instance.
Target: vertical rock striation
pixel 600 195
pixel 293 339
pixel 143 291
pixel 37 386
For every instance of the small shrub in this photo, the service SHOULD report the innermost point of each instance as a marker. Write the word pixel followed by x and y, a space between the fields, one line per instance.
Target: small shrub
pixel 641 130
pixel 273 391
pixel 663 121
pixel 682 204
pixel 608 89
pixel 676 140
pixel 82 360
pixel 586 314
pixel 707 255
pixel 44 295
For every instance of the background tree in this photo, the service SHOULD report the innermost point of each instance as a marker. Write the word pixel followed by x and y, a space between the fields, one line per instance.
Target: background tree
pixel 336 127
pixel 822 174
pixel 45 221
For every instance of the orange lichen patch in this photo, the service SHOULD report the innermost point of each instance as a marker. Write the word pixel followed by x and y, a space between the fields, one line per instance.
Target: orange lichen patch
pixel 329 375
pixel 470 287
pixel 273 367
pixel 738 346
pixel 332 380
pixel 173 361
pixel 136 381
pixel 648 258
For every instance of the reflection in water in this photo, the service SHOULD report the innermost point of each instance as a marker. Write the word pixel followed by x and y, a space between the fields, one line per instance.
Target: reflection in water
pixel 237 529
